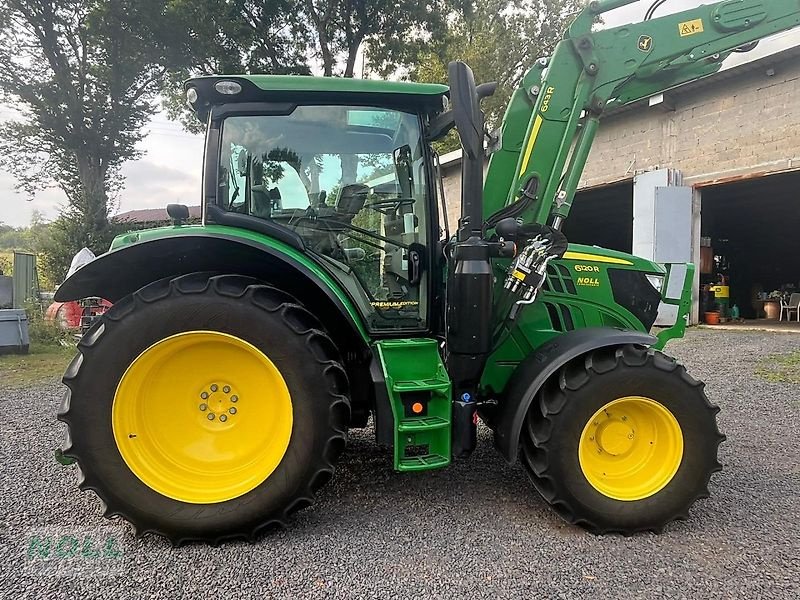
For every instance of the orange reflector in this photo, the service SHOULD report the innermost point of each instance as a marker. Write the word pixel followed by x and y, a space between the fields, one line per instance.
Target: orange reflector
pixel 416 408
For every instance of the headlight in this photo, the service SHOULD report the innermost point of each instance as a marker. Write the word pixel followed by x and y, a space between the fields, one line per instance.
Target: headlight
pixel 229 88
pixel 191 95
pixel 657 281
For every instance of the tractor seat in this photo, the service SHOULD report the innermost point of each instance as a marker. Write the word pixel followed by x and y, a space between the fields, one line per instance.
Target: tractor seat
pixel 351 200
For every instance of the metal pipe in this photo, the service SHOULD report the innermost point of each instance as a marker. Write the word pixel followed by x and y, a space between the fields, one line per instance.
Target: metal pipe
pixel 582 92
pixel 579 157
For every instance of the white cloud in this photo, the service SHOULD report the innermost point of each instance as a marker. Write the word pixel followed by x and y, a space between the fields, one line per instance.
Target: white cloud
pixel 169 171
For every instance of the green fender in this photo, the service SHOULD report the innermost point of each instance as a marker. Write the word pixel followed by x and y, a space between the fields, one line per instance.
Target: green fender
pixel 531 374
pixel 137 259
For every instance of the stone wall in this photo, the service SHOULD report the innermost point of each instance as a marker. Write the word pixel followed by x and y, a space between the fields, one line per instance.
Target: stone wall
pixel 740 124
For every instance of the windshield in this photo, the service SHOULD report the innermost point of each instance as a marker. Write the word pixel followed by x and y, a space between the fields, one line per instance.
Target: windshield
pixel 350 181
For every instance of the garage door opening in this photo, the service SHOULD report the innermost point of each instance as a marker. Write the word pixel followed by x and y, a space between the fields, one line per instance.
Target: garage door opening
pixel 603 216
pixel 754 231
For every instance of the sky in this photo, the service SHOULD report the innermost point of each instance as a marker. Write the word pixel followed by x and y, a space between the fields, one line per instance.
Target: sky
pixel 170 167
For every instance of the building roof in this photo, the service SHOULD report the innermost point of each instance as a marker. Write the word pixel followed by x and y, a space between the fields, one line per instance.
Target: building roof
pixel 152 215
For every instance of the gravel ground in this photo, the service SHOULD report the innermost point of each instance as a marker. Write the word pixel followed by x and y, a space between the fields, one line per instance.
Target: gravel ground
pixel 477 529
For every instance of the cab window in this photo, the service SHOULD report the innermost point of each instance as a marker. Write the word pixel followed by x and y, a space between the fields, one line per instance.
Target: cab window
pixel 351 182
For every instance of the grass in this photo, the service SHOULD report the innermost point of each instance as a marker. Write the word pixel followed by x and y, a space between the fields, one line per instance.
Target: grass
pixel 780 368
pixel 44 364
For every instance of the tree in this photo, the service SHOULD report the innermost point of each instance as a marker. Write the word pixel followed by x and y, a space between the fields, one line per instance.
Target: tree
pixel 286 36
pixel 391 29
pixel 83 74
pixel 237 36
pixel 499 40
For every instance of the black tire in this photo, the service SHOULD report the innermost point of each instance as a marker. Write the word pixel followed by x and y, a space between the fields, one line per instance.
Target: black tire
pixel 267 318
pixel 567 402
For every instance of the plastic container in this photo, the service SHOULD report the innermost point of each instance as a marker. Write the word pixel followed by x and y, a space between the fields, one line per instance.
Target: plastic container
pixel 14 331
pixel 712 318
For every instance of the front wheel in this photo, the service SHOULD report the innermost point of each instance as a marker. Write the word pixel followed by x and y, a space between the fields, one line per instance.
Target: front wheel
pixel 621 440
pixel 206 408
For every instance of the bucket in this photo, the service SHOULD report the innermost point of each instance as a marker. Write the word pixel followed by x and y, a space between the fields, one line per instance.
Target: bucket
pixel 712 318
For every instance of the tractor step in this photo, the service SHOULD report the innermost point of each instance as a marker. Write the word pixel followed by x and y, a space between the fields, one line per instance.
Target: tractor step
pixel 424 463
pixel 419 393
pixel 423 423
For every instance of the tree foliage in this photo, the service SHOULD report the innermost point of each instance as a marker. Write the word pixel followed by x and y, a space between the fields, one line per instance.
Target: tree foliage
pixel 84 75
pixel 499 40
pixel 302 36
pixel 392 30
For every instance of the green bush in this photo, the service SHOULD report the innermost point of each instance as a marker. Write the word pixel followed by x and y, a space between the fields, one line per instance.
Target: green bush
pixel 5 264
pixel 42 332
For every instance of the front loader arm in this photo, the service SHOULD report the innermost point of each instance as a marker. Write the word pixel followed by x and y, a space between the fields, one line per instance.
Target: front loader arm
pixel 559 102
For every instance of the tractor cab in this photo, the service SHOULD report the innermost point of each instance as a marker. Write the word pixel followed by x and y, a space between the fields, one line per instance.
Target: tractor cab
pixel 343 166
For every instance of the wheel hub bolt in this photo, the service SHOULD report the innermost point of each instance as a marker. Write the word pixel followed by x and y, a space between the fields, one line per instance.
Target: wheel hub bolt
pixel 232 410
pixel 226 389
pixel 203 406
pixel 210 416
pixel 204 395
pixel 214 387
pixel 223 418
pixel 234 398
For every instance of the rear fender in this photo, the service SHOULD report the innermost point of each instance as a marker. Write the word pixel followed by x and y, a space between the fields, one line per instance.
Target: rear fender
pixel 531 374
pixel 123 271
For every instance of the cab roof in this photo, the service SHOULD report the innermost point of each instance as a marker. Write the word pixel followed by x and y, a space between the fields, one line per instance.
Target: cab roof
pixel 301 83
pixel 301 88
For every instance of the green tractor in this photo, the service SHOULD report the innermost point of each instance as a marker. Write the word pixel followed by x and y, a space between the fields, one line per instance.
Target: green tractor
pixel 323 287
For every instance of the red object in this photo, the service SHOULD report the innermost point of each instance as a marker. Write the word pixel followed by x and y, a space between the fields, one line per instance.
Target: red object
pixel 66 314
pixel 712 318
pixel 71 315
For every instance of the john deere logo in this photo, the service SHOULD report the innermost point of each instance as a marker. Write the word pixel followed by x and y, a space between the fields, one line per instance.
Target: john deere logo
pixel 645 43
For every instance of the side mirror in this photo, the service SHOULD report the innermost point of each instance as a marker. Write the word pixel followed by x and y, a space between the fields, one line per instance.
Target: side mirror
pixel 404 170
pixel 178 213
pixel 465 99
pixel 466 108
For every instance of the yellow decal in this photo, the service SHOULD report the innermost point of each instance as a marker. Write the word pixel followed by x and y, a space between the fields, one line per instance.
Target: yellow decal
pixel 392 304
pixel 596 258
pixel 589 281
pixel 645 43
pixel 519 275
pixel 548 95
pixel 537 125
pixel 587 268
pixel 690 27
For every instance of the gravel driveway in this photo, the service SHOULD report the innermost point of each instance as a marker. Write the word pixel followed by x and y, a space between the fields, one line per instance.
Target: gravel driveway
pixel 477 529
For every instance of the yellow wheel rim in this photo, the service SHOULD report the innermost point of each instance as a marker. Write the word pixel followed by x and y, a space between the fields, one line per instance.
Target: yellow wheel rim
pixel 202 417
pixel 631 448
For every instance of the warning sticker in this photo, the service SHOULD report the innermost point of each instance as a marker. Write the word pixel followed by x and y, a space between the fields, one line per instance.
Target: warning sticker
pixel 691 27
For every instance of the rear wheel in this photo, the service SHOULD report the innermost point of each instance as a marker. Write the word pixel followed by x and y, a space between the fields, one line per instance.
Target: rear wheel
pixel 621 440
pixel 206 408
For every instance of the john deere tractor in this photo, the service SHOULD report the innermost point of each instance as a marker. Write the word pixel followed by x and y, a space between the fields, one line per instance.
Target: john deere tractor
pixel 323 287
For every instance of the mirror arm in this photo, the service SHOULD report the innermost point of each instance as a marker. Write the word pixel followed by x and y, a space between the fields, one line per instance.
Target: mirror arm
pixel 440 126
pixel 487 89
